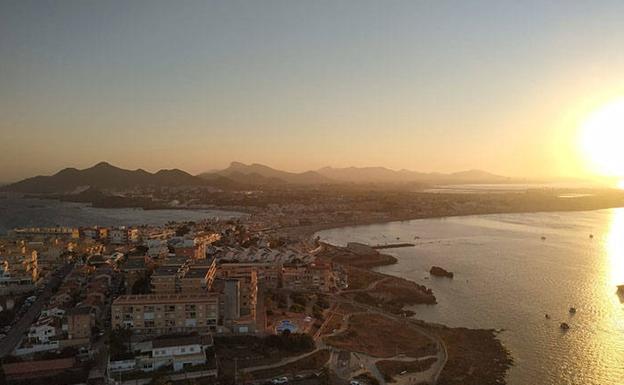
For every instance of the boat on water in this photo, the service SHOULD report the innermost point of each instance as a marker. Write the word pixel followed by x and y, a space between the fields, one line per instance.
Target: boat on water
pixel 572 310
pixel 564 326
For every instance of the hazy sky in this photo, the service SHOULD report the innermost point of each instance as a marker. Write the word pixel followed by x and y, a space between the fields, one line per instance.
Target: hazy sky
pixel 425 85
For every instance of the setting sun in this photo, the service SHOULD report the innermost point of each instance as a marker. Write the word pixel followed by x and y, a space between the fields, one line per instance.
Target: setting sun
pixel 601 139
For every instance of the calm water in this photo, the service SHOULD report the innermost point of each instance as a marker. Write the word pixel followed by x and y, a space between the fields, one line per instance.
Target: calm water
pixel 37 212
pixel 507 277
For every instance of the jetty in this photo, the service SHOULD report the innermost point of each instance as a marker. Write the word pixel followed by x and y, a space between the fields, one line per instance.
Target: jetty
pixel 392 246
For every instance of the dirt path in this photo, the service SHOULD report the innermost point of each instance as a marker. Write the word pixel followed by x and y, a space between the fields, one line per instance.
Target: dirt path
pixel 368 363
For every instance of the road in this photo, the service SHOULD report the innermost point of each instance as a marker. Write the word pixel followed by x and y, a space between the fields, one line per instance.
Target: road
pixel 14 335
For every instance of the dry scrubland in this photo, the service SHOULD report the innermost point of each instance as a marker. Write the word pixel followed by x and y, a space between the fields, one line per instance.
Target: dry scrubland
pixel 389 368
pixel 315 361
pixel 379 336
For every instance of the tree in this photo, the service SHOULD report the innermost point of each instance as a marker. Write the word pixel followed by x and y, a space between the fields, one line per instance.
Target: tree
pixel 120 342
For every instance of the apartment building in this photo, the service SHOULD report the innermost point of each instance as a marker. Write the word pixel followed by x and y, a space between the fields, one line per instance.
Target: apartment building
pixel 19 264
pixel 195 281
pixel 314 276
pixel 248 279
pixel 164 280
pixel 268 273
pixel 167 313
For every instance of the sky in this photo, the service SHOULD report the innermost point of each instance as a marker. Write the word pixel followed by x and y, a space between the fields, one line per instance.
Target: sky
pixel 423 85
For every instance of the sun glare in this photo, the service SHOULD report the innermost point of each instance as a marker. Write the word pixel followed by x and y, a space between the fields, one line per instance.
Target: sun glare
pixel 602 140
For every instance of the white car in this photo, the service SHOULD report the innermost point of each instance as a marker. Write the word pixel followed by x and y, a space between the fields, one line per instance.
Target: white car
pixel 353 382
pixel 280 380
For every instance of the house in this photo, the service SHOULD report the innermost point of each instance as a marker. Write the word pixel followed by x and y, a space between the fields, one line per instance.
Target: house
pixel 43 330
pixel 180 352
pixel 53 312
pixel 177 351
pixel 62 299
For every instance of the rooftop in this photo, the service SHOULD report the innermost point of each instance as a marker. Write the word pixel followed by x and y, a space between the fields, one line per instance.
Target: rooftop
pixel 168 341
pixel 196 273
pixel 165 298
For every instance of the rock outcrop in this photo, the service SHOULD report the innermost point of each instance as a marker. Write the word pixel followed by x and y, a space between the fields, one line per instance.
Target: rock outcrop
pixel 440 272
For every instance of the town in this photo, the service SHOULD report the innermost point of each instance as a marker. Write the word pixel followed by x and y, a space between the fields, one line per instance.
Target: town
pixel 121 304
pixel 219 301
pixel 251 299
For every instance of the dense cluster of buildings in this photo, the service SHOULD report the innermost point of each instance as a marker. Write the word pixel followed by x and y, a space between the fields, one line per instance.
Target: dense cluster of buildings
pixel 172 290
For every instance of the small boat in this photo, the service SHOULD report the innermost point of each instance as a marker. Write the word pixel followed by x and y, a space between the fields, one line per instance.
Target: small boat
pixel 591 236
pixel 564 326
pixel 543 238
pixel 547 316
pixel 572 310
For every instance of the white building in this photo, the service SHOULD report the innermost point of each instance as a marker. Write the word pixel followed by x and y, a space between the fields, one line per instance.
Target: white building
pixel 42 331
pixel 180 352
pixel 118 236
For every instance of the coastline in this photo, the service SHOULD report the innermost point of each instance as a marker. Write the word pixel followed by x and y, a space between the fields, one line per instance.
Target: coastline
pixel 470 356
pixel 309 231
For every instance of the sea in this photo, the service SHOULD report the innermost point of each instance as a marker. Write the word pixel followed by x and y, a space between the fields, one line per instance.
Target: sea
pixel 23 212
pixel 511 270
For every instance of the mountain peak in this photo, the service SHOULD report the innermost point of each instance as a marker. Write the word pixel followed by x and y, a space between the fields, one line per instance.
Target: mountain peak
pixel 103 164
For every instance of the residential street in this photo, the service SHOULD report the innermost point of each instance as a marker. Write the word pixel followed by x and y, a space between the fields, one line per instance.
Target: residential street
pixel 21 327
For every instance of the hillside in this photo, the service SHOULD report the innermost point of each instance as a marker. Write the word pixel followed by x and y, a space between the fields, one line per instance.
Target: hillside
pixel 106 177
pixel 260 174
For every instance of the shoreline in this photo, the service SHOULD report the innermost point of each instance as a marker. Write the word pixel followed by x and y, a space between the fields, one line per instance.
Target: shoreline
pixel 471 356
pixel 309 231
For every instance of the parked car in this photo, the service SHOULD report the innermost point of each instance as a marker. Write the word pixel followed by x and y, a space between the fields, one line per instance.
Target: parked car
pixel 280 380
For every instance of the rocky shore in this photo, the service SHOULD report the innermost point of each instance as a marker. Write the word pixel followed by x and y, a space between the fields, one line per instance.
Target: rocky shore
pixel 473 356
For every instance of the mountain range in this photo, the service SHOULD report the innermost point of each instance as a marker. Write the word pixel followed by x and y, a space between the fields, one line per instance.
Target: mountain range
pixel 103 176
pixel 237 176
pixel 261 174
